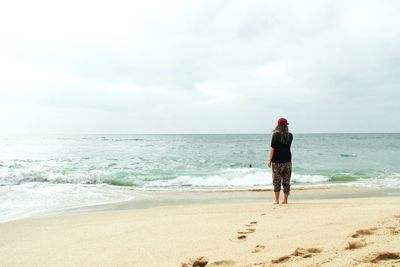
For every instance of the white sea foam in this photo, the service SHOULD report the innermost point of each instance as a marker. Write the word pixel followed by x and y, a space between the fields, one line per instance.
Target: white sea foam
pixel 390 181
pixel 26 200
pixel 309 179
pixel 234 177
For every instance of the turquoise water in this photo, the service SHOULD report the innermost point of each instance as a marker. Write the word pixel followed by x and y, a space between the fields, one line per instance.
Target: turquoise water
pixel 84 170
pixel 197 160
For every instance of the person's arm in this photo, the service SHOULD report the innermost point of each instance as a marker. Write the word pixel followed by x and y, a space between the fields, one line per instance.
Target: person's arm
pixel 271 155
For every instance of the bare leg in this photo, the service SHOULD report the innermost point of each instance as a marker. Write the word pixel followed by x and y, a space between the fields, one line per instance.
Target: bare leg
pixel 277 197
pixel 286 195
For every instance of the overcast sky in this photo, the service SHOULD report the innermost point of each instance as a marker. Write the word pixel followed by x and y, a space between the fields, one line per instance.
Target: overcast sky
pixel 199 66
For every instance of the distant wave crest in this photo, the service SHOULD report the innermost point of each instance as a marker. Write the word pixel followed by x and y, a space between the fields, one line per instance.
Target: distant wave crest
pixel 348 155
pixel 86 171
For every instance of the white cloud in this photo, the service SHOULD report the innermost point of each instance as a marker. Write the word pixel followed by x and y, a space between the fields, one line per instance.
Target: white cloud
pixel 189 66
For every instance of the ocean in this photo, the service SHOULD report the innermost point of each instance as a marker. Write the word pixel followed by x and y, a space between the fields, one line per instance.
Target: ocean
pixel 43 174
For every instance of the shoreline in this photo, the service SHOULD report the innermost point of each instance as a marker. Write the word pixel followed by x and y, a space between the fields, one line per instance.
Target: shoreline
pixel 230 229
pixel 148 198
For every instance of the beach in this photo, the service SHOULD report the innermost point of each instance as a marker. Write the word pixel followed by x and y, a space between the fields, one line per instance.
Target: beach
pixel 233 228
pixel 158 133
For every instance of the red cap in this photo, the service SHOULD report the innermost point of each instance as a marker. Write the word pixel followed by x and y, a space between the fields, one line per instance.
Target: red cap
pixel 282 122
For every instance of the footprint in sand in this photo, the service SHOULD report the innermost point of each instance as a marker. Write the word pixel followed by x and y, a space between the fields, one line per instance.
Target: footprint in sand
pixel 299 252
pixel 258 264
pixel 363 232
pixel 258 248
pixel 242 234
pixel 223 263
pixel 280 259
pixel 356 244
pixel 306 253
pixel 198 262
pixel 376 257
pixel 202 261
pixel 395 231
pixel 242 237
pixel 248 231
pixel 250 224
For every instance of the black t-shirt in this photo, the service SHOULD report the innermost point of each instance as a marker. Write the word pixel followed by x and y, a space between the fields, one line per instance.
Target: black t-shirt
pixel 282 152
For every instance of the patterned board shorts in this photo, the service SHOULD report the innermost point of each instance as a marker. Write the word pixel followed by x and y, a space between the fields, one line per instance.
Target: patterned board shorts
pixel 281 173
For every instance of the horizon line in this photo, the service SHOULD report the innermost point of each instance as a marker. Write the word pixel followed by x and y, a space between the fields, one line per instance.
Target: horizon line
pixel 233 133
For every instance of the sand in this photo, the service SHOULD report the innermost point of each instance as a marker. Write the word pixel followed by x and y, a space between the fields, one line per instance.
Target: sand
pixel 307 232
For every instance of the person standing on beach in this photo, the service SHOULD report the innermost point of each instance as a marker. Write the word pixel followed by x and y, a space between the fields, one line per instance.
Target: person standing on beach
pixel 280 159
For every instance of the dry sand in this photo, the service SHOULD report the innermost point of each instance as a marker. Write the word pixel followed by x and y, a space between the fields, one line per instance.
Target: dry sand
pixel 330 232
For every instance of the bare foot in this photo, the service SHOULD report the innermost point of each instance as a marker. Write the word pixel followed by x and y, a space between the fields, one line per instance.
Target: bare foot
pixel 284 202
